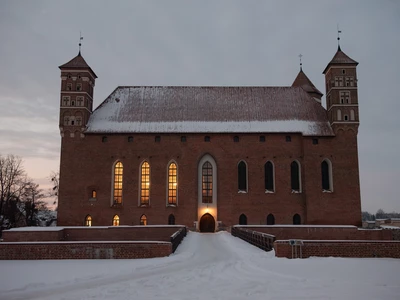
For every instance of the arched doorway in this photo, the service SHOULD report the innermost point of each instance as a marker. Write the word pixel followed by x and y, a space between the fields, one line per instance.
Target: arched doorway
pixel 242 219
pixel 207 223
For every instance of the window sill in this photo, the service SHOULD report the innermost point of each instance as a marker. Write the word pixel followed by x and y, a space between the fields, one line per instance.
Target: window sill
pixel 296 192
pixel 144 205
pixel 327 191
pixel 172 205
pixel 117 205
pixel 269 192
pixel 242 192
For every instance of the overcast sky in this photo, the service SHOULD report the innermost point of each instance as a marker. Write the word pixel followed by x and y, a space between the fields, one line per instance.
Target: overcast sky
pixel 224 43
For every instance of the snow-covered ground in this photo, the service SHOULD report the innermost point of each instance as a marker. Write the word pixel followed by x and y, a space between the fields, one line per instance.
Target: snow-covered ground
pixel 205 266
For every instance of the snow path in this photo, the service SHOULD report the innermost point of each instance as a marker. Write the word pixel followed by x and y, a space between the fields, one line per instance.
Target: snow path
pixel 212 266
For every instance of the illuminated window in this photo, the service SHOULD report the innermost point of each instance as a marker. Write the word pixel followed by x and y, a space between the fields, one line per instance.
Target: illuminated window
pixel 242 176
pixel 145 183
pixel 94 194
pixel 116 220
pixel 269 177
pixel 295 176
pixel 118 176
pixel 171 219
pixel 88 220
pixel 207 181
pixel 172 183
pixel 326 175
pixel 143 220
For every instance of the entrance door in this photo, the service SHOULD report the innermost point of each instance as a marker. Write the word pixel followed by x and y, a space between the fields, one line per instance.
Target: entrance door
pixel 207 223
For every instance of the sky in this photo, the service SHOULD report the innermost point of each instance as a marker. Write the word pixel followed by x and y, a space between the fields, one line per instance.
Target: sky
pixel 209 42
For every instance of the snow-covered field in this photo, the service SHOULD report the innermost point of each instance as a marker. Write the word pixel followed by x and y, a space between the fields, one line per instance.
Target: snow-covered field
pixel 205 266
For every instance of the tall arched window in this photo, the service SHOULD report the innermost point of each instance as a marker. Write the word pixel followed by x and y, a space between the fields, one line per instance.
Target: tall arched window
pixel 143 220
pixel 88 220
pixel 145 183
pixel 172 184
pixel 115 220
pixel 296 219
pixel 171 219
pixel 117 187
pixel 352 115
pixel 242 176
pixel 339 115
pixel 326 175
pixel 270 219
pixel 207 180
pixel 295 176
pixel 242 219
pixel 269 177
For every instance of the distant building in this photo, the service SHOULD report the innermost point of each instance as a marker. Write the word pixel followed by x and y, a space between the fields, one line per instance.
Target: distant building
pixel 212 156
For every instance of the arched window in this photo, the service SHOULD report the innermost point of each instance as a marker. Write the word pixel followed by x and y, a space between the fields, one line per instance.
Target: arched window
pixel 94 194
pixel 326 175
pixel 143 220
pixel 296 219
pixel 115 220
pixel 269 177
pixel 242 176
pixel 172 184
pixel 295 176
pixel 339 115
pixel 270 219
pixel 171 219
pixel 117 187
pixel 145 183
pixel 207 180
pixel 242 219
pixel 352 116
pixel 88 220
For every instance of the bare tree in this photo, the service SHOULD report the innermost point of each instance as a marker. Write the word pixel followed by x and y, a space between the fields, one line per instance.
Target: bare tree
pixel 12 184
pixel 31 202
pixel 55 179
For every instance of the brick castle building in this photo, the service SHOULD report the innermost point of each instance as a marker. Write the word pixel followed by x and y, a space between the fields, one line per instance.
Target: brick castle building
pixel 210 157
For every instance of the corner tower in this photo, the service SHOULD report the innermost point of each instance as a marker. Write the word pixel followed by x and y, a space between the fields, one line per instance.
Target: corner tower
pixel 341 92
pixel 76 100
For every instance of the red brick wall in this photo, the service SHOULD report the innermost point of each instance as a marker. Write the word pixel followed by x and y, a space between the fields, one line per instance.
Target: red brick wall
pixel 31 236
pixel 87 163
pixel 340 249
pixel 91 250
pixel 322 233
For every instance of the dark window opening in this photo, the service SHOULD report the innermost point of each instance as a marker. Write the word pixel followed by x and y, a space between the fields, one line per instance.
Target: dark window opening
pixel 130 139
pixel 157 139
pixel 79 87
pixel 294 176
pixel 269 176
pixel 343 71
pixel 296 219
pixel 236 139
pixel 262 138
pixel 242 219
pixel 183 139
pixel 171 219
pixel 270 219
pixel 346 117
pixel 207 138
pixel 315 141
pixel 242 176
pixel 288 138
pixel 325 176
pixel 104 139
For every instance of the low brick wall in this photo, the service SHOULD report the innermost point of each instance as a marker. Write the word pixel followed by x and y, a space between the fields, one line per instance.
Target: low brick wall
pixel 338 249
pixel 315 232
pixel 83 250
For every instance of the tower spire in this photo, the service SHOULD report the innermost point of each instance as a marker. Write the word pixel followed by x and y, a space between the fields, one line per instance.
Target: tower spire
pixel 338 37
pixel 80 43
pixel 301 64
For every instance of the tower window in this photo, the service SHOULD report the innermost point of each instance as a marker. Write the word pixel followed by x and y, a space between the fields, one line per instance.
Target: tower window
pixel 115 220
pixel 143 220
pixel 288 138
pixel 72 122
pixel 343 71
pixel 207 181
pixel 262 138
pixel 88 220
pixel 326 175
pixel 352 115
pixel 242 177
pixel 66 100
pixel 117 187
pixel 145 183
pixel 346 117
pixel 79 76
pixel 295 176
pixel 130 139
pixel 183 138
pixel 172 183
pixel 207 138
pixel 72 103
pixel 269 177
pixel 66 120
pixel 79 87
pixel 236 139
pixel 79 101
pixel 157 139
pixel 104 139
pixel 69 86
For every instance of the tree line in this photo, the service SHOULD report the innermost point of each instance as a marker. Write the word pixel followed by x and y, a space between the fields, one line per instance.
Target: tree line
pixel 22 201
pixel 380 214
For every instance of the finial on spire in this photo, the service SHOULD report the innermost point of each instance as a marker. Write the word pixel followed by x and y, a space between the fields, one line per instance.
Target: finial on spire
pixel 80 39
pixel 301 64
pixel 338 37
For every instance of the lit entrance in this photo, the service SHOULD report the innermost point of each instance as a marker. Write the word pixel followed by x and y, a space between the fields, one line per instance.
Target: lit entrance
pixel 207 223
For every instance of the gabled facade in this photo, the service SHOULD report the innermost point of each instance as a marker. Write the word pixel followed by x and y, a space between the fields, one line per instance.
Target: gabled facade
pixel 210 157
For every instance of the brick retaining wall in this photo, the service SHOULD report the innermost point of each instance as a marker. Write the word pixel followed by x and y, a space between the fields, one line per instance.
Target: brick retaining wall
pixel 339 248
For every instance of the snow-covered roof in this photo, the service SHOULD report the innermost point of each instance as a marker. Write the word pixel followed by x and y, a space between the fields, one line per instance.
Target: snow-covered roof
pixel 184 109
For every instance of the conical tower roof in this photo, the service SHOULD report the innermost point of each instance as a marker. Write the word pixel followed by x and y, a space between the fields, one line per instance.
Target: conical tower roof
pixel 305 83
pixel 340 58
pixel 78 62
